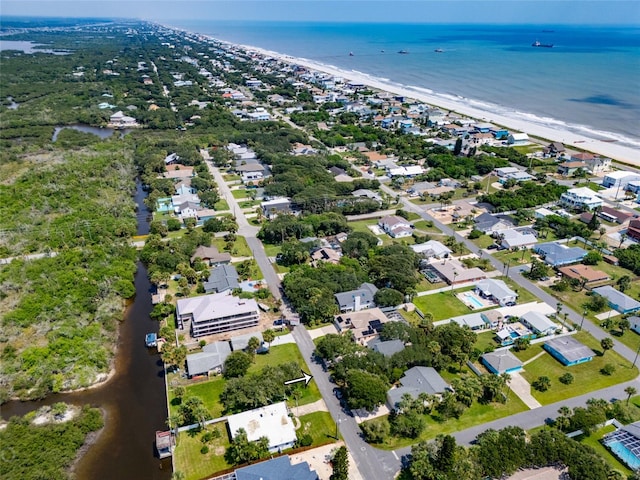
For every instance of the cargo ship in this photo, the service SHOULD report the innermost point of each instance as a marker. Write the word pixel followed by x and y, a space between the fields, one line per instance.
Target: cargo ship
pixel 543 45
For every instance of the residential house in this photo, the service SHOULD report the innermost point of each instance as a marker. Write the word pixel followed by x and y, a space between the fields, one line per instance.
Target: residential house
pixel 633 231
pixel 635 323
pixel 515 239
pixel 543 212
pixel 619 179
pixel 405 171
pixel 221 279
pixel 272 421
pixel 501 361
pixel 594 163
pixel 538 323
pixel 617 300
pixel 568 351
pixel 178 171
pixel 359 299
pixel 488 223
pixel 558 255
pixel 517 139
pixel 365 325
pixel 584 273
pixel 612 215
pixel 240 343
pixel 362 192
pixel 327 255
pixel 211 255
pixel 569 168
pixel 519 176
pixel 120 120
pixel 216 313
pixel 582 198
pixel 554 149
pixel 395 226
pixel 210 359
pixel 278 206
pixel 497 291
pixel 504 171
pixel 278 468
pixel 415 381
pixel 454 272
pixel 388 348
pixel 432 249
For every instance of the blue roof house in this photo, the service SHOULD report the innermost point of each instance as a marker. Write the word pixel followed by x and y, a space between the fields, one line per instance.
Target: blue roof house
pixel 279 468
pixel 501 361
pixel 617 300
pixel 558 255
pixel 568 351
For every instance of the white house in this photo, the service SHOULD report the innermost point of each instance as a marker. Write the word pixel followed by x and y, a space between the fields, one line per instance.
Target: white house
pixel 272 421
pixel 581 198
pixel 518 138
pixel 496 290
pixel 619 179
pixel 120 120
pixel 432 249
pixel 511 238
pixel 395 227
pixel 538 323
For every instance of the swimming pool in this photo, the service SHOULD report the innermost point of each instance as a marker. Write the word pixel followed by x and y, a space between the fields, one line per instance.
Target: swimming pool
pixel 473 300
pixel 624 454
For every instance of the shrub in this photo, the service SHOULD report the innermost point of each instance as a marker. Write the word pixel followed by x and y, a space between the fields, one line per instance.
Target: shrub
pixel 542 384
pixel 473 234
pixel 204 450
pixel 305 440
pixel 566 379
pixel 608 369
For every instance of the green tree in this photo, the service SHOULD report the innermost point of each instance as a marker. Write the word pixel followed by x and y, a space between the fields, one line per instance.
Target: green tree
pixel 592 258
pixel 253 345
pixel 566 378
pixel 542 384
pixel 237 364
pixel 241 450
pixel 630 391
pixel 606 344
pixel 365 390
pixel 388 297
pixel 624 282
pixel 269 336
pixel 340 464
pixel 192 411
pixel 173 355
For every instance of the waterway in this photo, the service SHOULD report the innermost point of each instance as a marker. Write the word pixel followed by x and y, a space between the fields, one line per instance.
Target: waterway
pixel 100 132
pixel 133 400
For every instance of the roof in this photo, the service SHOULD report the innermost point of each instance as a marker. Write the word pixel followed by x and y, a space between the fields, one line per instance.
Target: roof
pixel 502 360
pixel 452 270
pixel 212 357
pixel 580 271
pixel 557 254
pixel 388 347
pixel 570 348
pixel 217 305
pixel 538 321
pixel 486 221
pixel 363 323
pixel 514 238
pixel 272 421
pixel 222 278
pixel 618 300
pixel 495 288
pixel 240 342
pixel 418 380
pixel 210 253
pixel 278 468
pixel 365 292
pixel 432 248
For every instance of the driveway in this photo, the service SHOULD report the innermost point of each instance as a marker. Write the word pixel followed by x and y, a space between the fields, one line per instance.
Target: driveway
pixel 522 389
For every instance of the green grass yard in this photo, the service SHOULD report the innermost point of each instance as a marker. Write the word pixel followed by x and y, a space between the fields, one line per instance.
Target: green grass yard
pixel 320 426
pixel 221 205
pixel 587 376
pixel 594 442
pixel 477 414
pixel 240 246
pixel 443 305
pixel 240 193
pixel 195 465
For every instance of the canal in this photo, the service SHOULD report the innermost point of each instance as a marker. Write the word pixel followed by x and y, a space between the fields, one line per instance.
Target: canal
pixel 133 400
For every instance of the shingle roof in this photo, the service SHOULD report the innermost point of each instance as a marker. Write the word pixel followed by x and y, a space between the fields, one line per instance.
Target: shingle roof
pixel 221 279
pixel 365 292
pixel 496 288
pixel 418 380
pixel 570 348
pixel 502 360
pixel 279 468
pixel 212 356
pixel 617 299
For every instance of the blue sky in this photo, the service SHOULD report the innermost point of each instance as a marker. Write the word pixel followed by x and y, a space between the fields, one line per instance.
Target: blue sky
pixel 414 11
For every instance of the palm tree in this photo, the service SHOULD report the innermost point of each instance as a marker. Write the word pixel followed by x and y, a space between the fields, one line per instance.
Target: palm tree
pixel 630 391
pixel 268 336
pixel 606 344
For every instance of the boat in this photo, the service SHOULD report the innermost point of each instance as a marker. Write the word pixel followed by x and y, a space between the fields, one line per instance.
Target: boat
pixel 151 340
pixel 543 45
pixel 438 50
pixel 351 54
pixel 403 52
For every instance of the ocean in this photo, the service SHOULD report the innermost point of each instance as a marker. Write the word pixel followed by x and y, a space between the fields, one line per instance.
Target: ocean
pixel 588 83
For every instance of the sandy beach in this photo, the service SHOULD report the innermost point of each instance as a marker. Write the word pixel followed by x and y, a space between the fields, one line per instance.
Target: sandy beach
pixel 612 150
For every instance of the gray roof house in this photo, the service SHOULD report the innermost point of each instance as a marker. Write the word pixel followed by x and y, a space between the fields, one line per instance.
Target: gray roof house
pixel 491 223
pixel 211 255
pixel 388 347
pixel 240 342
pixel 221 279
pixel 501 361
pixel 538 323
pixel 415 381
pixel 617 300
pixel 496 290
pixel 278 468
pixel 210 359
pixel 558 255
pixel 568 351
pixel 359 299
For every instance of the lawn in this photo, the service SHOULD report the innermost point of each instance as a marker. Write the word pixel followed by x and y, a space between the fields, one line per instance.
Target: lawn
pixel 442 305
pixel 240 247
pixel 229 177
pixel 272 250
pixel 477 414
pixel 483 241
pixel 529 353
pixel 424 226
pixel 594 442
pixel 362 225
pixel 221 205
pixel 514 257
pixel 425 285
pixel 195 465
pixel 286 353
pixel 587 376
pixel 249 204
pixel 524 295
pixel 320 426
pixel 485 340
pixel 239 193
pixel 209 391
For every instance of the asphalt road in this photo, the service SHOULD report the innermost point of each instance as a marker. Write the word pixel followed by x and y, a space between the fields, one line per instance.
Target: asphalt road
pixel 372 463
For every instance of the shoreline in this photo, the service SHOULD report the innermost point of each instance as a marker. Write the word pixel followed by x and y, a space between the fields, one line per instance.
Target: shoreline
pixel 464 106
